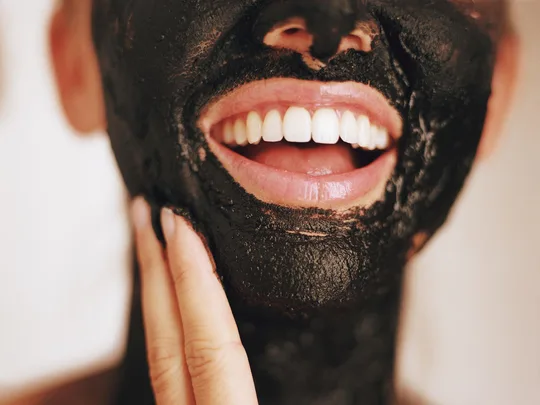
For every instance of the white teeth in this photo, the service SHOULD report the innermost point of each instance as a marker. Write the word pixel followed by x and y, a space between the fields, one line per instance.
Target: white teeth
pixel 325 125
pixel 373 135
pixel 348 128
pixel 240 132
pixel 228 132
pixel 364 131
pixel 297 125
pixel 254 128
pixel 272 129
pixel 382 139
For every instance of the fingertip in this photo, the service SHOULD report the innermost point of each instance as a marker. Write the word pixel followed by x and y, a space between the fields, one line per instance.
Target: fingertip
pixel 195 243
pixel 149 251
pixel 183 225
pixel 140 213
pixel 187 232
pixel 168 223
pixel 183 228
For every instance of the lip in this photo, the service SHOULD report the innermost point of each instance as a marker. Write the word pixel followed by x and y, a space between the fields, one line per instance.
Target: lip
pixel 358 188
pixel 310 94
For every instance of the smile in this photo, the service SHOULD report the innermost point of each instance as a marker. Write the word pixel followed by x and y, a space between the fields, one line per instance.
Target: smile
pixel 306 144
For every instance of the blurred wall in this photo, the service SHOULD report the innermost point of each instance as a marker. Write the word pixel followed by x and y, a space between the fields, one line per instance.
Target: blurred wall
pixel 64 236
pixel 472 330
pixel 470 333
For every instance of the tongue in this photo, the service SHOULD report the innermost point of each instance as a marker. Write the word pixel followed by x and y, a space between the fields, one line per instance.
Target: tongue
pixel 312 159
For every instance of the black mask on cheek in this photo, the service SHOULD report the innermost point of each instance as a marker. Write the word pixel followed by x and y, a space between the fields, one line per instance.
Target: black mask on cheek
pixel 317 313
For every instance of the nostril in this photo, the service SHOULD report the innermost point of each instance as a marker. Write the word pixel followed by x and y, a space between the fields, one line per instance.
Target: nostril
pixel 356 42
pixel 290 35
pixel 360 39
pixel 294 35
pixel 291 31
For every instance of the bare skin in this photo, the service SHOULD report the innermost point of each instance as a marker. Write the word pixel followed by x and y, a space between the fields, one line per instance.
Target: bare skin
pixel 80 92
pixel 194 349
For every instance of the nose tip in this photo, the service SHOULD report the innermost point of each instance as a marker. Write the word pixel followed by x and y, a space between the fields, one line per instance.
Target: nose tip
pixel 296 36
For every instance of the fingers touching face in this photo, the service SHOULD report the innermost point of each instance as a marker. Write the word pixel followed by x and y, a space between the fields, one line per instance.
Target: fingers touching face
pixel 194 348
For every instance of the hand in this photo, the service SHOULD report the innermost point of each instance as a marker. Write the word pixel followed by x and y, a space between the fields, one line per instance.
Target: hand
pixel 194 349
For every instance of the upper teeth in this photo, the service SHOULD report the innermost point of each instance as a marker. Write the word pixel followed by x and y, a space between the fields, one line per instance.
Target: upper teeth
pixel 298 125
pixel 272 128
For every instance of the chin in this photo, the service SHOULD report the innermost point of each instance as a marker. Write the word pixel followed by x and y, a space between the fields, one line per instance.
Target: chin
pixel 308 180
pixel 296 165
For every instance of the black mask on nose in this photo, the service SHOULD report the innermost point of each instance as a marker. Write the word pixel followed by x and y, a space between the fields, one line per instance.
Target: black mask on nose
pixel 327 20
pixel 317 315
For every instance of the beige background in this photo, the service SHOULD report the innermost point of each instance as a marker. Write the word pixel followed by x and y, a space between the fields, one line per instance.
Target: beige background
pixel 64 236
pixel 471 332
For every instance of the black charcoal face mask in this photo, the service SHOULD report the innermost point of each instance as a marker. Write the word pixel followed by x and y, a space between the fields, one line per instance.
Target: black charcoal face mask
pixel 317 314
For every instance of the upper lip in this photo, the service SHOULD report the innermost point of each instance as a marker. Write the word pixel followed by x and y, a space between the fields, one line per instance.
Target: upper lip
pixel 278 91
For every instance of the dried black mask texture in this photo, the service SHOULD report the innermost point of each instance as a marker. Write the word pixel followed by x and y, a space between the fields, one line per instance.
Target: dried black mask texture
pixel 317 314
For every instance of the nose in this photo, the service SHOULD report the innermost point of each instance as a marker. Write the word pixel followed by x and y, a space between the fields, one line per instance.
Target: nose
pixel 319 28
pixel 295 36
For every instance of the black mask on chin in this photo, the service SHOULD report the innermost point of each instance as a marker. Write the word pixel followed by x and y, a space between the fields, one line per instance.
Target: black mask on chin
pixel 317 314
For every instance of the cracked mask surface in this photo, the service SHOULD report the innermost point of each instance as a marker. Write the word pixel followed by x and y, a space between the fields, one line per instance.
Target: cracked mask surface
pixel 316 307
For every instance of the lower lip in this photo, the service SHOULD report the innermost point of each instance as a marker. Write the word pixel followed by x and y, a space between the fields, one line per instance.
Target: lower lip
pixel 359 188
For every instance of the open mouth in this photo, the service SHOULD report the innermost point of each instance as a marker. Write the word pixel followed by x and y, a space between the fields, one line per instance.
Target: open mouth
pixel 306 144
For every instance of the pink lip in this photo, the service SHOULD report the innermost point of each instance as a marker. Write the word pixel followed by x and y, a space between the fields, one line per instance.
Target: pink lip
pixel 358 188
pixel 361 187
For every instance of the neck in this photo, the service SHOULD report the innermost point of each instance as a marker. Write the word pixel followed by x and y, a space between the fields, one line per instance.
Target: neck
pixel 339 357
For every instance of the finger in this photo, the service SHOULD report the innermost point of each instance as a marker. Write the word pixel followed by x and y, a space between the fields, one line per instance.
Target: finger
pixel 217 362
pixel 163 328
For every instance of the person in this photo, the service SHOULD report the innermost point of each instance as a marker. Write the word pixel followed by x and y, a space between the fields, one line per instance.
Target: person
pixel 194 348
pixel 314 146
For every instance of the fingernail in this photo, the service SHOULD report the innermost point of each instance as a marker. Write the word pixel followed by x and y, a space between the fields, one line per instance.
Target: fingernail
pixel 140 213
pixel 168 223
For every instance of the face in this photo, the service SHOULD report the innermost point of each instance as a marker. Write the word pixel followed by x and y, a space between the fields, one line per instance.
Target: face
pixel 314 144
pixel 370 116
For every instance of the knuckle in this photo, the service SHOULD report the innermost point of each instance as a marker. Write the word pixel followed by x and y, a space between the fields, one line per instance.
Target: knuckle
pixel 150 263
pixel 205 359
pixel 165 364
pixel 164 380
pixel 179 275
pixel 163 354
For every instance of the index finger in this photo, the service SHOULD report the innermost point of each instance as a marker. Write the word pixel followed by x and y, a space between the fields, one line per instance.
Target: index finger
pixel 162 323
pixel 215 356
